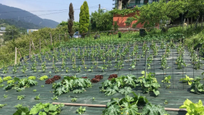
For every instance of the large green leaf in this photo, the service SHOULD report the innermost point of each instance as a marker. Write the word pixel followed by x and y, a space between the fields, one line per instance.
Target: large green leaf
pixel 151 109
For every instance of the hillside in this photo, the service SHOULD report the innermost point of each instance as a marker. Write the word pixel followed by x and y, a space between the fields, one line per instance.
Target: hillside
pixel 18 24
pixel 7 12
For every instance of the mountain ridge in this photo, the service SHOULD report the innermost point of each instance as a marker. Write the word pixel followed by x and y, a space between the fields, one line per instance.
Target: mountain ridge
pixel 17 14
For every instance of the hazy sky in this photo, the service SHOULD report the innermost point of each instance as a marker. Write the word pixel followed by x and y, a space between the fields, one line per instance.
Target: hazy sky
pixel 57 10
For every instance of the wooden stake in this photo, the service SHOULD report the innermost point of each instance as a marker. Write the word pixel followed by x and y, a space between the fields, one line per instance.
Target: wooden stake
pixel 15 56
pixel 50 38
pixel 99 105
pixel 33 45
pixel 30 50
pixel 40 44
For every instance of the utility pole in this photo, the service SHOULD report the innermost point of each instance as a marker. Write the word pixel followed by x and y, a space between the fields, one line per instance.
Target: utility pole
pixel 99 7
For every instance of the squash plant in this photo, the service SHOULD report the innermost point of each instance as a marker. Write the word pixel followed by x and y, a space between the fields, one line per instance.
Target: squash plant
pixel 149 83
pixel 196 86
pixel 71 84
pixel 123 85
pixel 40 109
pixel 20 84
pixel 129 105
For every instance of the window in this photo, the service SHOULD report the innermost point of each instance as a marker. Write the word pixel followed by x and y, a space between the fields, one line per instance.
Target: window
pixel 155 0
pixel 137 1
pixel 145 1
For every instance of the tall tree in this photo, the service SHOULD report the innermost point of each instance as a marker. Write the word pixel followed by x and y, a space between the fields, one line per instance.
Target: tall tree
pixel 70 20
pixel 152 14
pixel 84 19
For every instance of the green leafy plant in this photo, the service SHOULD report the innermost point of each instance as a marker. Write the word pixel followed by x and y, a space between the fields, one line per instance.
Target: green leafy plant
pixel 5 69
pixel 149 83
pixel 1 85
pixel 193 108
pixel 42 85
pixel 20 84
pixel 151 109
pixel 54 98
pixel 24 69
pixel 126 105
pixel 196 86
pixel 77 85
pixel 81 110
pixel 2 105
pixel 20 97
pixel 74 99
pixel 167 80
pixel 32 77
pixel 180 62
pixel 14 69
pixel 46 109
pixel 187 79
pixel 37 97
pixel 21 110
pixel 34 90
pixel 7 78
pixel 18 106
pixel 164 62
pixel 43 66
pixel 44 77
pixel 5 96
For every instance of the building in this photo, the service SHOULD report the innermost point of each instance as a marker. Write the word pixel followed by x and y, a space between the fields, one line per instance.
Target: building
pixel 2 31
pixel 133 3
pixel 128 5
pixel 31 30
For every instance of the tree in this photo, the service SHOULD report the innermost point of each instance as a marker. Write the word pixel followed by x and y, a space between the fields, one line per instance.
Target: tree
pixel 11 33
pixel 70 21
pixel 152 14
pixel 101 20
pixel 84 19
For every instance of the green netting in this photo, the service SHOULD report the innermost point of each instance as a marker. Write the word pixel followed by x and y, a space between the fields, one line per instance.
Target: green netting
pixel 175 95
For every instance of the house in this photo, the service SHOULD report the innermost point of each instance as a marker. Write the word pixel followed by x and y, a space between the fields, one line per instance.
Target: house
pixel 31 30
pixel 128 4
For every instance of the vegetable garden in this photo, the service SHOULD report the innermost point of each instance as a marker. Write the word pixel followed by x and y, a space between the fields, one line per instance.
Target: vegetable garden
pixel 148 74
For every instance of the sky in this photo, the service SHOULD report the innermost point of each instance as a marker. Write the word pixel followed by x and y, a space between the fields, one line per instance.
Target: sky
pixel 57 10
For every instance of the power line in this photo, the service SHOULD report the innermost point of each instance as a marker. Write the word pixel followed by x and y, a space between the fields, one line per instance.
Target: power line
pixel 50 13
pixel 43 10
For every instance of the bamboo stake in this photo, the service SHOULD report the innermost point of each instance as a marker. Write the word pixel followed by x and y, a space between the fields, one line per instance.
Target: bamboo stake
pixel 50 39
pixel 40 44
pixel 99 105
pixel 33 45
pixel 15 56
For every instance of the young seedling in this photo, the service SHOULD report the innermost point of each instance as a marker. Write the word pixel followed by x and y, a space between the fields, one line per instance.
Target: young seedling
pixel 54 98
pixel 74 99
pixel 81 110
pixel 42 85
pixel 5 96
pixel 18 106
pixel 20 97
pixel 34 90
pixel 2 105
pixel 37 97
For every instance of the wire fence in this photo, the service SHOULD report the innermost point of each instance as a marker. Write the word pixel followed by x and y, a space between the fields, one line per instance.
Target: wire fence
pixel 142 64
